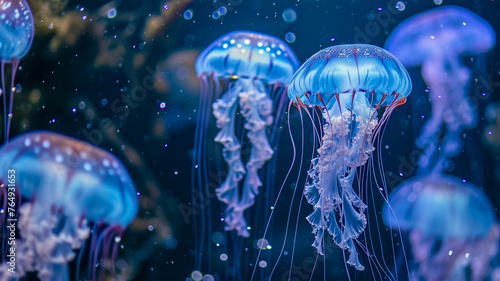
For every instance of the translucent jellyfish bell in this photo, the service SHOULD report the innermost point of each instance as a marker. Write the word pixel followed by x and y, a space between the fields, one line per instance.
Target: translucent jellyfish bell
pixel 447 31
pixel 350 83
pixel 442 206
pixel 450 225
pixel 250 55
pixel 68 183
pixel 437 40
pixel 17 29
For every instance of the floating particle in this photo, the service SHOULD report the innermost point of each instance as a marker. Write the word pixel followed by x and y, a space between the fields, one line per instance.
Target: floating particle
pixel 289 15
pixel 112 13
pixel 223 257
pixel 188 14
pixel 290 37
pixel 196 275
pixel 400 6
pixel 222 10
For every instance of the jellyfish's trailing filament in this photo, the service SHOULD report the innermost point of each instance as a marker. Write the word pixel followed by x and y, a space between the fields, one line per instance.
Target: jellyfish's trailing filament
pixel 438 40
pixel 68 186
pixel 17 30
pixel 350 83
pixel 252 65
pixel 451 225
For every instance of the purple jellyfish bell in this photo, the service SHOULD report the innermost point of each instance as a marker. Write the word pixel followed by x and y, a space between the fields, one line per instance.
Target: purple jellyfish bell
pixel 350 83
pixel 68 184
pixel 249 61
pixel 437 40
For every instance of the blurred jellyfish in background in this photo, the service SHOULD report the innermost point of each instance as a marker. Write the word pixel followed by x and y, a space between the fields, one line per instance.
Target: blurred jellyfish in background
pixel 177 75
pixel 451 226
pixel 243 75
pixel 438 40
pixel 350 84
pixel 69 186
pixel 16 35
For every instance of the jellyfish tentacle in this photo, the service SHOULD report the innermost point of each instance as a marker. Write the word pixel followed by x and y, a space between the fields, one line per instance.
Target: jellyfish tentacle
pixel 48 247
pixel 256 107
pixel 224 110
pixel 346 144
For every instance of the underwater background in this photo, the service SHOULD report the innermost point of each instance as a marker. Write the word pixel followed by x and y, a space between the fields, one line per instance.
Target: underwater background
pixel 87 58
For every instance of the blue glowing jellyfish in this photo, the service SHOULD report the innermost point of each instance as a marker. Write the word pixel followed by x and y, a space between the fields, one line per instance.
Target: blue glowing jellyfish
pixel 252 66
pixel 438 40
pixel 68 187
pixel 350 83
pixel 450 224
pixel 17 30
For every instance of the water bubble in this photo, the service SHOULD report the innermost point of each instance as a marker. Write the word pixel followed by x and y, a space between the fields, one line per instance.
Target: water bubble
pixel 289 15
pixel 262 264
pixel 262 244
pixel 216 15
pixel 18 88
pixel 223 257
pixel 188 14
pixel 112 13
pixel 217 238
pixel 171 242
pixel 438 2
pixel 208 277
pixel 150 227
pixel 104 102
pixel 121 264
pixel 163 105
pixel 290 37
pixel 196 275
pixel 400 6
pixel 118 239
pixel 222 10
pixel 81 105
pixel 165 7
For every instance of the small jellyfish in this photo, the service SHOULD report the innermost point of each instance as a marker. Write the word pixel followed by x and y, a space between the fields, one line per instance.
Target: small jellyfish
pixel 450 225
pixel 17 30
pixel 438 40
pixel 350 84
pixel 67 187
pixel 243 75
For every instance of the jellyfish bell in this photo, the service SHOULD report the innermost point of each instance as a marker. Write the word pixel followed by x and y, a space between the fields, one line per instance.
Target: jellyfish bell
pixel 450 224
pixel 17 29
pixel 350 83
pixel 437 40
pixel 68 185
pixel 448 31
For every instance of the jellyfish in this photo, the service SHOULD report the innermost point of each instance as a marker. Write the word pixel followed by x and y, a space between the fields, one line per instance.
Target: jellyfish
pixel 68 187
pixel 350 84
pixel 438 40
pixel 451 225
pixel 253 66
pixel 17 30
